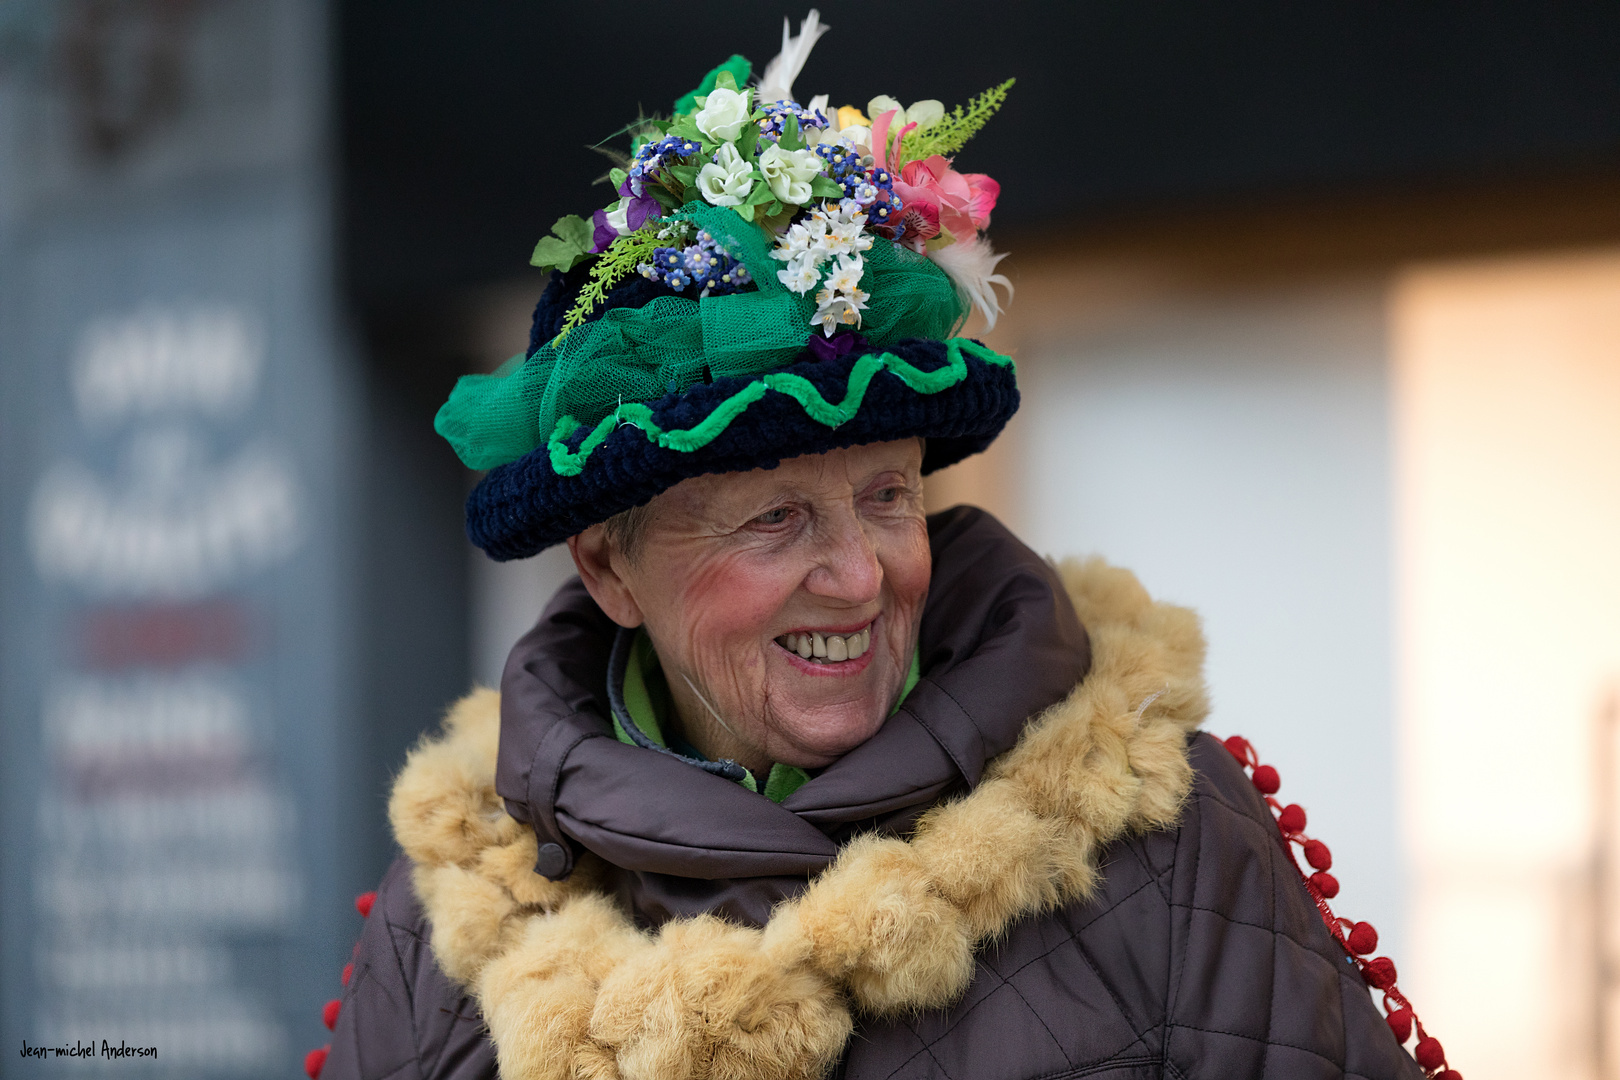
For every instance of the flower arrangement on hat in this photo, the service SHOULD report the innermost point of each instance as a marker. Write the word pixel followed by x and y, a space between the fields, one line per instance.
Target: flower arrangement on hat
pixel 772 279
pixel 824 184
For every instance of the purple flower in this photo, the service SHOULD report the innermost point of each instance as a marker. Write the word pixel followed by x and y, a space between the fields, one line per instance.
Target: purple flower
pixel 831 348
pixel 639 209
pixel 603 234
pixel 632 214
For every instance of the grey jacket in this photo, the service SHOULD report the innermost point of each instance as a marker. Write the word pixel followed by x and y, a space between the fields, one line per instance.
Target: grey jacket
pixel 1169 936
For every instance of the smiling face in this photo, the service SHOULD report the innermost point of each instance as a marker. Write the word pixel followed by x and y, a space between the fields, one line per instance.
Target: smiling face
pixel 784 603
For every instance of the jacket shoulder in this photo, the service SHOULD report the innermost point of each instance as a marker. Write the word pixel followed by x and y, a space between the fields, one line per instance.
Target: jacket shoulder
pixel 402 1018
pixel 1258 987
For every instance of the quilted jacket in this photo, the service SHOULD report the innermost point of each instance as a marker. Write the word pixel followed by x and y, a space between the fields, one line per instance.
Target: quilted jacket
pixel 1018 877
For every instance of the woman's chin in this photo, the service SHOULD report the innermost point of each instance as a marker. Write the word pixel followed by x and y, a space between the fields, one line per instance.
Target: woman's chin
pixel 822 735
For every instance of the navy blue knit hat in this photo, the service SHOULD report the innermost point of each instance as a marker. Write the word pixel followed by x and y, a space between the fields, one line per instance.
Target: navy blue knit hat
pixel 769 284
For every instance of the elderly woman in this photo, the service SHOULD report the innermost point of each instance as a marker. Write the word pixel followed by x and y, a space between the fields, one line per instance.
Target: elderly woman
pixel 795 779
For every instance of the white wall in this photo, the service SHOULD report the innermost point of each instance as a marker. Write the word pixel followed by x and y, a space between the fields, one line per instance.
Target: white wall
pixel 1233 450
pixel 507 599
pixel 1508 437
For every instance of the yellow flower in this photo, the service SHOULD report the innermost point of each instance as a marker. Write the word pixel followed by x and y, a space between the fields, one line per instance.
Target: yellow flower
pixel 850 116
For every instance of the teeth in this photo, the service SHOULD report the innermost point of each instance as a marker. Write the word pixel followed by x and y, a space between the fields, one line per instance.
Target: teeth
pixel 831 648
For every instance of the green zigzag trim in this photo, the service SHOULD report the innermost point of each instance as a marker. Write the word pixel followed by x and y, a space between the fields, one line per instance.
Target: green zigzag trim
pixel 572 462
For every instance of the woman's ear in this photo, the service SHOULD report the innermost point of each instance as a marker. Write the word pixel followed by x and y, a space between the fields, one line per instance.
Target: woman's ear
pixel 593 554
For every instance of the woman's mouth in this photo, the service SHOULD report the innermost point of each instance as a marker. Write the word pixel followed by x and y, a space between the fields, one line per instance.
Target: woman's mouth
pixel 822 648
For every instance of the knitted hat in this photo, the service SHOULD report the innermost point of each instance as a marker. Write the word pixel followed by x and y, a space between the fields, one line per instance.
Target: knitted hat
pixel 773 280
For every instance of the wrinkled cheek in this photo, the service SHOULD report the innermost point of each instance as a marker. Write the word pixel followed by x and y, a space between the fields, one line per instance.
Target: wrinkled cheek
pixel 727 609
pixel 907 568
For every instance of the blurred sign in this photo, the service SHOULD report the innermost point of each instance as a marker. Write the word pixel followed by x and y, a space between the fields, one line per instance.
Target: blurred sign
pixel 170 631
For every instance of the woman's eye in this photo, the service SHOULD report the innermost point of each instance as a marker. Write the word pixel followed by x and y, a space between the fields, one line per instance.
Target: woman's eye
pixel 774 517
pixel 887 495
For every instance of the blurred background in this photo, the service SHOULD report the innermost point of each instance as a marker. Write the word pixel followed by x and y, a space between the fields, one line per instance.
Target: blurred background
pixel 1318 326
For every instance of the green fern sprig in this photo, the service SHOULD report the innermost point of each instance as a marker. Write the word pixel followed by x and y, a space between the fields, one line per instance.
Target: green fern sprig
pixel 615 264
pixel 951 132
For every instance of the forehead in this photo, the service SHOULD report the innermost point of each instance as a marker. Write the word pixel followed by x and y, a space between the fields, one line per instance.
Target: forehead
pixel 830 473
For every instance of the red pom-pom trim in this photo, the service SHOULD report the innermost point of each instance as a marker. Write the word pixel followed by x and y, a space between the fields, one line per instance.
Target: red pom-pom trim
pixel 329 1013
pixel 1449 1074
pixel 1363 939
pixel 348 972
pixel 1429 1053
pixel 1400 1022
pixel 1326 884
pixel 315 1061
pixel 1238 747
pixel 363 902
pixel 1380 971
pixel 1267 780
pixel 1318 855
pixel 1292 818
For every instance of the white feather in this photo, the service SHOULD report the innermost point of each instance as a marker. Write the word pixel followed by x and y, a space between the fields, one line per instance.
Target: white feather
pixel 971 266
pixel 776 84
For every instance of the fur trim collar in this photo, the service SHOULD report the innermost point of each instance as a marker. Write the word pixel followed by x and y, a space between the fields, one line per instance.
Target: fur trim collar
pixel 571 988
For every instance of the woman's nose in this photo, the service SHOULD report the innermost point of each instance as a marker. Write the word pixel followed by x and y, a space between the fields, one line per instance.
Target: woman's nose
pixel 847 563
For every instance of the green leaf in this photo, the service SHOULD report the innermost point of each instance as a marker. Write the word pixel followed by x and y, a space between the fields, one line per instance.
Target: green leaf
pixel 575 230
pixel 748 141
pixel 952 131
pixel 826 187
pixel 746 212
pixel 773 209
pixel 684 127
pixel 736 66
pixel 686 174
pixel 760 195
pixel 725 80
pixel 554 254
pixel 618 177
pixel 790 134
pixel 666 199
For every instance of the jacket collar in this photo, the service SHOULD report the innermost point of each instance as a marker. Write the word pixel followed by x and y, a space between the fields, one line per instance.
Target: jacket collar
pixel 994 607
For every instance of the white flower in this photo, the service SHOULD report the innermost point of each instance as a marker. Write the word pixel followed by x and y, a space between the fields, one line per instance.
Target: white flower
pixel 846 277
pixel 727 179
pixel 789 172
pixel 793 243
pixel 801 274
pixel 857 137
pixel 924 114
pixel 616 217
pixel 835 313
pixel 846 238
pixel 723 114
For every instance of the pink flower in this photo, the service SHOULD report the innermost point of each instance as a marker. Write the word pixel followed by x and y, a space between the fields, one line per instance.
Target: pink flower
pixel 935 197
pixel 984 193
pixel 957 203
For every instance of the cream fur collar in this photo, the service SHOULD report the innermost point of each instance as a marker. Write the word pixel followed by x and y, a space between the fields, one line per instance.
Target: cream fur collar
pixel 570 988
